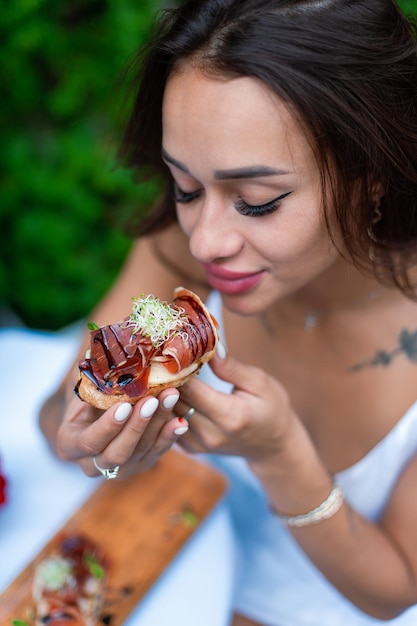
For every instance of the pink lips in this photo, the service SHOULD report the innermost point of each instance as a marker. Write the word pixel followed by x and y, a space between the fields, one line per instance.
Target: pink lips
pixel 229 282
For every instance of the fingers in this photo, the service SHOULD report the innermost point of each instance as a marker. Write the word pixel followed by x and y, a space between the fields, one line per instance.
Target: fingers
pixel 85 430
pixel 243 377
pixel 233 422
pixel 134 437
pixel 123 434
pixel 144 427
pixel 248 384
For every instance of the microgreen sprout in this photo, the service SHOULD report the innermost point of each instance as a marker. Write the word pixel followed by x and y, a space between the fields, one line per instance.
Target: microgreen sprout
pixel 154 319
pixel 54 573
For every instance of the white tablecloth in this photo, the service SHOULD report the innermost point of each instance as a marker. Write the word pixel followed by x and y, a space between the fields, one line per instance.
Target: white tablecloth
pixel 43 492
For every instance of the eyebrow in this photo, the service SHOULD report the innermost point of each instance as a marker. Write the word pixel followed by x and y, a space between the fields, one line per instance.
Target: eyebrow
pixel 251 171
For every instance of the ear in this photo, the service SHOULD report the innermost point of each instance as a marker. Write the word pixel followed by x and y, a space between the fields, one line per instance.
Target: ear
pixel 378 191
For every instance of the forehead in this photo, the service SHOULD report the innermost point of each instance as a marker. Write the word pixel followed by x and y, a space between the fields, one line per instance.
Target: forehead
pixel 234 120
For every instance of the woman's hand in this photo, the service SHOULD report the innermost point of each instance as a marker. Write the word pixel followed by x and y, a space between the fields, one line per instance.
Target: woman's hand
pixel 253 421
pixel 132 437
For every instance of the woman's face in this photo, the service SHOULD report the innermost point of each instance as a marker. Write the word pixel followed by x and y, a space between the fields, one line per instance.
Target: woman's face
pixel 247 188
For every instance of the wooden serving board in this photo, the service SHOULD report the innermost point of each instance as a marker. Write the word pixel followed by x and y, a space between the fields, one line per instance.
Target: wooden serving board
pixel 141 523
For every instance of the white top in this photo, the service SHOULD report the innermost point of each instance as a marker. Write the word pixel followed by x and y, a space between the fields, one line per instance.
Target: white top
pixel 278 584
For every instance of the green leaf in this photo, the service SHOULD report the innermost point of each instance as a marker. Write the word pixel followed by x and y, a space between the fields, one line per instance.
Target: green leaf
pixel 189 518
pixel 93 565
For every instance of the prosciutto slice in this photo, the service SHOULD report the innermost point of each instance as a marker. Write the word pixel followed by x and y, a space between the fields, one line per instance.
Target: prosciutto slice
pixel 120 359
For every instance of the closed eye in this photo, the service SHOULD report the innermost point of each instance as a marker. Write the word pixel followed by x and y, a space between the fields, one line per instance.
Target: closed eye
pixel 259 210
pixel 184 197
pixel 180 196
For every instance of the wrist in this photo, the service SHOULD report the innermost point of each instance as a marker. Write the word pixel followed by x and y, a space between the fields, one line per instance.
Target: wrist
pixel 325 510
pixel 294 476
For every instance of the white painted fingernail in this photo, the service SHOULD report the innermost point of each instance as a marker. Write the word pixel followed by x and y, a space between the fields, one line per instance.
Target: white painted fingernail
pixel 149 407
pixel 221 351
pixel 170 401
pixel 122 412
pixel 181 430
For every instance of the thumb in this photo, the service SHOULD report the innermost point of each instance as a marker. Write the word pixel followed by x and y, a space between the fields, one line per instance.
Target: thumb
pixel 229 369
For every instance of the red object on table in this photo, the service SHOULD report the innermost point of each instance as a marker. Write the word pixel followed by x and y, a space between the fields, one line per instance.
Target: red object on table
pixel 3 485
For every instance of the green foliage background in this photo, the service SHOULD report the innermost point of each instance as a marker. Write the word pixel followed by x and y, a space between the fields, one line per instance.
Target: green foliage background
pixel 61 193
pixel 60 190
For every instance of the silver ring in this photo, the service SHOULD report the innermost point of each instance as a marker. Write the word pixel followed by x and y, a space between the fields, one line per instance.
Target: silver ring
pixel 189 413
pixel 107 473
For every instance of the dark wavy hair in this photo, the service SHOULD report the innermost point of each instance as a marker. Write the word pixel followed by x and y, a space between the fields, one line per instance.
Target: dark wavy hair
pixel 347 68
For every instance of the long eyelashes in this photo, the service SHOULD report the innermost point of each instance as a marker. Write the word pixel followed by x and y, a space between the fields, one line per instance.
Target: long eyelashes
pixel 261 209
pixel 185 197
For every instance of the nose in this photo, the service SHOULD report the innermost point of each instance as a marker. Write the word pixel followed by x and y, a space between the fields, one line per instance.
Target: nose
pixel 215 233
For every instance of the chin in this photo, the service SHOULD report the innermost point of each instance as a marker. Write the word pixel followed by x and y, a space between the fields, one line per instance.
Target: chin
pixel 247 306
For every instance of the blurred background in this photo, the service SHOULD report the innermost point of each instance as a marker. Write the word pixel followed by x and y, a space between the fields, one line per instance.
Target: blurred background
pixel 62 197
pixel 63 200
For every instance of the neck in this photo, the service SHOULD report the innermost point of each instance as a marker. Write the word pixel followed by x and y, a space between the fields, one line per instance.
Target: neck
pixel 340 290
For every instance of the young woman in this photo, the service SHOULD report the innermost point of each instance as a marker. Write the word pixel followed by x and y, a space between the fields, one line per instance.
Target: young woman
pixel 285 133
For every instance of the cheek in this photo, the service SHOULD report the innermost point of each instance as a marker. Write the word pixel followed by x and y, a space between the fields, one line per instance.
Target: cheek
pixel 186 218
pixel 294 241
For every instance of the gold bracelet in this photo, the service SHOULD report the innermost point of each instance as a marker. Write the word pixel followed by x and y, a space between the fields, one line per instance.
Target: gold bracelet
pixel 326 509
